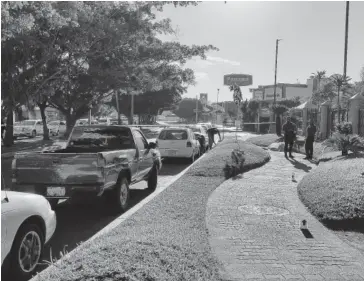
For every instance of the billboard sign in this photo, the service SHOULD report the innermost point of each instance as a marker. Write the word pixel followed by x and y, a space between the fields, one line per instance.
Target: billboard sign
pixel 203 98
pixel 258 95
pixel 238 79
pixel 269 93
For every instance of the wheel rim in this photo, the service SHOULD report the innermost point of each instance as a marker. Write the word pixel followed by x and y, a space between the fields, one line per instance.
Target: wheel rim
pixel 29 251
pixel 123 194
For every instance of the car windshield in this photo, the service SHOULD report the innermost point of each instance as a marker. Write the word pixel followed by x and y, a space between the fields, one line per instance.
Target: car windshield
pixel 53 123
pixel 105 138
pixel 173 135
pixel 27 123
pixel 102 120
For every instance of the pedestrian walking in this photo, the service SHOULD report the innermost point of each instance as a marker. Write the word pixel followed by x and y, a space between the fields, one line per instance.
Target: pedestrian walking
pixel 290 131
pixel 211 133
pixel 201 140
pixel 310 138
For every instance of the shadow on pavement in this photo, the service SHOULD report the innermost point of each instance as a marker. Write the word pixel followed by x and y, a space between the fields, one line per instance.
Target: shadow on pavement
pixel 300 165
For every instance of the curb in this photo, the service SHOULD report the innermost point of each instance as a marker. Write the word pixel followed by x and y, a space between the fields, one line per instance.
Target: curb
pixel 116 222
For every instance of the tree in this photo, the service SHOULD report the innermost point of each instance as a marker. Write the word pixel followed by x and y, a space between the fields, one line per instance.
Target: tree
pixel 319 75
pixel 290 103
pixel 340 82
pixel 149 104
pixel 99 49
pixel 186 109
pixel 326 93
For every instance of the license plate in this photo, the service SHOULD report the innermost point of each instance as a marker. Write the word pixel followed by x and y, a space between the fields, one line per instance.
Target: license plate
pixel 56 191
pixel 172 152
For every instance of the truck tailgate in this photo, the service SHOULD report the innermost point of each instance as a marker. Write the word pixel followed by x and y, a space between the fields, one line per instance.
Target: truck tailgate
pixel 57 168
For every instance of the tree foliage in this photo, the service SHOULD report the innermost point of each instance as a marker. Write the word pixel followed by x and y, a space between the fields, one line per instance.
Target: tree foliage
pixel 186 109
pixel 75 54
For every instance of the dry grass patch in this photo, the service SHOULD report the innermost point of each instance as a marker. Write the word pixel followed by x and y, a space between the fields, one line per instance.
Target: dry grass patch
pixel 265 140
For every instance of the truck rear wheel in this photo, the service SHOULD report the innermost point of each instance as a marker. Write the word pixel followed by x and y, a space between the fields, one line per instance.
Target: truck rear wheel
pixel 119 197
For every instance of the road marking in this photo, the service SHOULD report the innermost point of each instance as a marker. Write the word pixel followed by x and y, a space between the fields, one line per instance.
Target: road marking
pixel 118 220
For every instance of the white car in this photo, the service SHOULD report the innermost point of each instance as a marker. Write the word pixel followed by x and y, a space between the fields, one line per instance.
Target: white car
pixel 56 127
pixel 27 223
pixel 104 121
pixel 82 122
pixel 178 143
pixel 28 128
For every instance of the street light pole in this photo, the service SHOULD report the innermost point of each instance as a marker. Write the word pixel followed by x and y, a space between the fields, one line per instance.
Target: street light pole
pixel 275 72
pixel 196 109
pixel 346 37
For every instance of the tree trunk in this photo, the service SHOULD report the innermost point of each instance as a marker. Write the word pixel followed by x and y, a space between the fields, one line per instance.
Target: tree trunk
pixel 70 123
pixel 42 107
pixel 9 136
pixel 278 125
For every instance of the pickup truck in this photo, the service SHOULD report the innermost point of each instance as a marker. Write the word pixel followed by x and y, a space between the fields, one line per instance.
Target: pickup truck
pixel 96 160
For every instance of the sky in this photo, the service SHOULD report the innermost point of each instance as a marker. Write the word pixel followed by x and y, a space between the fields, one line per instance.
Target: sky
pixel 312 36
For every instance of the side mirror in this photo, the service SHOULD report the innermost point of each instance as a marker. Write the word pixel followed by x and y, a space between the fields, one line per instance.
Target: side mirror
pixel 152 145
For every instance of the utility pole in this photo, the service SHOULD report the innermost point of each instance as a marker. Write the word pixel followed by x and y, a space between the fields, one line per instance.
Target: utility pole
pixel 217 102
pixel 196 109
pixel 275 72
pixel 345 57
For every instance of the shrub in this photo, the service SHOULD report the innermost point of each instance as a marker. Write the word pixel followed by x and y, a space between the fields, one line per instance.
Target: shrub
pixel 345 128
pixel 346 142
pixel 236 165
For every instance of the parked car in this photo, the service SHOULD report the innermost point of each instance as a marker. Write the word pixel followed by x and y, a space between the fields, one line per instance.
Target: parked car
pixel 178 143
pixel 27 224
pixel 83 122
pixel 97 160
pixel 104 121
pixel 28 128
pixel 56 127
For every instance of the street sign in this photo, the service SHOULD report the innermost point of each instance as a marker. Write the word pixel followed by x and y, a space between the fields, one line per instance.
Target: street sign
pixel 238 79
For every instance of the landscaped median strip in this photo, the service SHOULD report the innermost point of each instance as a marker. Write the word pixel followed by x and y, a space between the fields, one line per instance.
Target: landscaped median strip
pixel 164 240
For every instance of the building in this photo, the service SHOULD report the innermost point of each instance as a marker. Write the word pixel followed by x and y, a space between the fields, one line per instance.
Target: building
pixel 285 91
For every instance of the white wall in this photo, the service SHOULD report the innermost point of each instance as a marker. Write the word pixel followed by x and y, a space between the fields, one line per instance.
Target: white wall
pixel 292 92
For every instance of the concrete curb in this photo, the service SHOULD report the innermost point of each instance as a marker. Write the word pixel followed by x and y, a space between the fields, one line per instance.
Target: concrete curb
pixel 116 222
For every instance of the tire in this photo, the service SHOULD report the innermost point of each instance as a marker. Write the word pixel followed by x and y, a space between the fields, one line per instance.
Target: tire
pixel 19 269
pixel 53 203
pixel 153 178
pixel 119 197
pixel 34 134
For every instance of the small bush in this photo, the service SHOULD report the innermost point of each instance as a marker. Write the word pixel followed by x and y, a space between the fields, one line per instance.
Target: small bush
pixel 236 165
pixel 345 128
pixel 345 142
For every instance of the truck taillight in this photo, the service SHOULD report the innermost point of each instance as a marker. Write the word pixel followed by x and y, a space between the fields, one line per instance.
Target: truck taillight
pixel 13 170
pixel 189 144
pixel 101 162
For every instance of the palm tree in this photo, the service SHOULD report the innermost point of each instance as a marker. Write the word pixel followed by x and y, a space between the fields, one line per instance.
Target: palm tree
pixel 340 82
pixel 319 75
pixel 237 96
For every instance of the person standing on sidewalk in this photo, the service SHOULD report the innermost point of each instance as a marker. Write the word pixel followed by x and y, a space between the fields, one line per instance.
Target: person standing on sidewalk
pixel 310 138
pixel 211 133
pixel 290 131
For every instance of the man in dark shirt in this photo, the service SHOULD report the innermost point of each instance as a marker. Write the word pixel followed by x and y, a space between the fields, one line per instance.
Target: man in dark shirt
pixel 290 131
pixel 211 133
pixel 310 138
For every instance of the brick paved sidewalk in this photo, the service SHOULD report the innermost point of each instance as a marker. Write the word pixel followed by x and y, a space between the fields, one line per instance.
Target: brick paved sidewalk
pixel 253 223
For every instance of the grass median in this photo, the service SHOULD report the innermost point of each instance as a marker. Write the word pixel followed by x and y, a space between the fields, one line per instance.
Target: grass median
pixel 166 239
